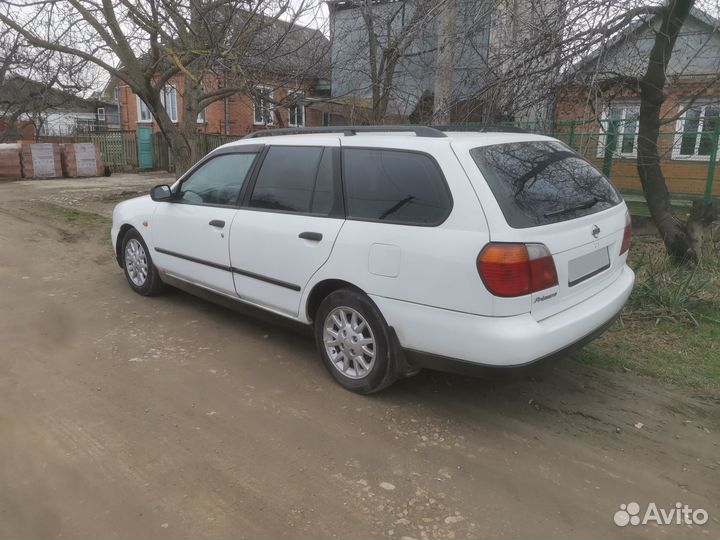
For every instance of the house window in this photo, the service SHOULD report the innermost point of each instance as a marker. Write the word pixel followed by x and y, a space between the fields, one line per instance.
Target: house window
pixel 695 132
pixel 143 111
pixel 168 98
pixel 296 112
pixel 326 119
pixel 201 117
pixel 620 125
pixel 262 107
pixel 101 114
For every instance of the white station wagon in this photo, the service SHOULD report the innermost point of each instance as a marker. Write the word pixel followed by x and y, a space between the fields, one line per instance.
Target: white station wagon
pixel 402 247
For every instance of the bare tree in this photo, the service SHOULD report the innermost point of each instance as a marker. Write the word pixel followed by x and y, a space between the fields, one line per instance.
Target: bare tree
pixel 214 48
pixel 380 50
pixel 649 64
pixel 33 84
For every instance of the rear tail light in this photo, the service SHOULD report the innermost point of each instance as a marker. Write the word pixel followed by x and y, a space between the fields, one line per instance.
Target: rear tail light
pixel 627 235
pixel 516 269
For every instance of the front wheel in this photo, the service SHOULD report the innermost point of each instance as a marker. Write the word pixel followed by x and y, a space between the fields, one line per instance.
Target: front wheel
pixel 354 342
pixel 141 274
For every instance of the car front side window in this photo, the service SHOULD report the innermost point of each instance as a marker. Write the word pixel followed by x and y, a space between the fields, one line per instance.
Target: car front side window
pixel 218 181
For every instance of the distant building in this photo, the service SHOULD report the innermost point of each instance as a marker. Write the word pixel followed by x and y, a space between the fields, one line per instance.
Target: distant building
pixel 52 111
pixel 484 28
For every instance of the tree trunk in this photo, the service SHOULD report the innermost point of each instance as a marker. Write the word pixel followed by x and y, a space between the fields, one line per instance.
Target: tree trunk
pixel 179 142
pixel 678 242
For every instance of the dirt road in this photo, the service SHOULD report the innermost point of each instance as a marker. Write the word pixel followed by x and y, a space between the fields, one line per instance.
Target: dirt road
pixel 128 417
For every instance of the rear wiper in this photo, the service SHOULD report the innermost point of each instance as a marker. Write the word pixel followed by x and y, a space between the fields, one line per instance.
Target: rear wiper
pixel 582 206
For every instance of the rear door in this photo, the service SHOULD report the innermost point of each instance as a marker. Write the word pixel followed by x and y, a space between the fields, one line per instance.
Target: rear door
pixel 548 194
pixel 288 224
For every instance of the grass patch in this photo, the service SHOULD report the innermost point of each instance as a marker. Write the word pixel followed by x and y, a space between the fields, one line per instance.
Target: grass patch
pixel 681 207
pixel 670 328
pixel 87 221
pixel 76 217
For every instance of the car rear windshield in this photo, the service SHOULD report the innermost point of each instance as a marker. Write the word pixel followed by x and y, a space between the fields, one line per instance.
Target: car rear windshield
pixel 541 182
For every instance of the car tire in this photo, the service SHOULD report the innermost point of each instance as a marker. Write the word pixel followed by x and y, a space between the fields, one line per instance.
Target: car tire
pixel 354 342
pixel 140 271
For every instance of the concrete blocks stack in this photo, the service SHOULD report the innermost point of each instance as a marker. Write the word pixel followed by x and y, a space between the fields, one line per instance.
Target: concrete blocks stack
pixel 41 160
pixel 82 159
pixel 10 166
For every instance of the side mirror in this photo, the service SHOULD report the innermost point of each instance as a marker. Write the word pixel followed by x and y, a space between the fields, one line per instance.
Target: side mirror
pixel 161 193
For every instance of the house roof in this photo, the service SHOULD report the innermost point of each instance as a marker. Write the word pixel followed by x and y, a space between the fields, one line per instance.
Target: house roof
pixel 19 91
pixel 291 49
pixel 635 27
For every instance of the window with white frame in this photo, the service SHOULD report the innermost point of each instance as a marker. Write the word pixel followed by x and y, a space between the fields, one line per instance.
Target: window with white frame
pixel 101 113
pixel 696 132
pixel 620 123
pixel 262 107
pixel 296 111
pixel 201 117
pixel 168 97
pixel 143 111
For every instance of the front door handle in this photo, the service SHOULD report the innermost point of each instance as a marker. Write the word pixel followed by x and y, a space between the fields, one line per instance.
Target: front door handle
pixel 219 223
pixel 314 236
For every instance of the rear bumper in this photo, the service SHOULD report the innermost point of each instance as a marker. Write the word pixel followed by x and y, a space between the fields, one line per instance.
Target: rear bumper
pixel 450 340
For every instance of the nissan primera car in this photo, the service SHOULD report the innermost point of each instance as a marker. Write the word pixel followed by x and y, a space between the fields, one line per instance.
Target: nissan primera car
pixel 402 248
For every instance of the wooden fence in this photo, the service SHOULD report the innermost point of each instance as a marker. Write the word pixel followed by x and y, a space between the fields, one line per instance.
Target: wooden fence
pixel 204 143
pixel 118 148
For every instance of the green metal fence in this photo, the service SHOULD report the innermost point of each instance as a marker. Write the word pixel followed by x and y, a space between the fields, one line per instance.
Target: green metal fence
pixel 688 149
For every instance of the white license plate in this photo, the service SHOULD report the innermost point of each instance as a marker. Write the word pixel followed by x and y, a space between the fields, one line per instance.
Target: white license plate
pixel 587 266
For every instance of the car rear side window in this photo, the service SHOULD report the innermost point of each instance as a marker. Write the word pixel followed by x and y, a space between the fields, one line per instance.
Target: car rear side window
pixel 542 182
pixel 394 186
pixel 295 179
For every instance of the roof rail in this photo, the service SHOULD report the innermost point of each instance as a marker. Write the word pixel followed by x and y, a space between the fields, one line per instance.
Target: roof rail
pixel 490 128
pixel 420 131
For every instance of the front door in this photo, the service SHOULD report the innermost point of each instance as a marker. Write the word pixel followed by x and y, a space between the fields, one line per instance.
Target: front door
pixel 286 229
pixel 191 232
pixel 145 147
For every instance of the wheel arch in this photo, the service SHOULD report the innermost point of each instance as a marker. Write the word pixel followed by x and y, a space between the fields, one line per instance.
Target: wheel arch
pixel 321 290
pixel 120 237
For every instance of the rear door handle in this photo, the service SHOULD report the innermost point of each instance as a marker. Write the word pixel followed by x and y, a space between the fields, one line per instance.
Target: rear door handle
pixel 219 223
pixel 314 236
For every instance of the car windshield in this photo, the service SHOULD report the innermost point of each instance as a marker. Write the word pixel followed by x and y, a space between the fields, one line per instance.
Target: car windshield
pixel 542 182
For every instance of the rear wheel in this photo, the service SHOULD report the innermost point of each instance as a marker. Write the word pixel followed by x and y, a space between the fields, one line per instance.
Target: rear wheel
pixel 141 274
pixel 354 342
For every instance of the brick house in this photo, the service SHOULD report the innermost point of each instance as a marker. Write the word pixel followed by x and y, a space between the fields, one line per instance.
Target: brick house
pixel 599 112
pixel 240 114
pixel 237 115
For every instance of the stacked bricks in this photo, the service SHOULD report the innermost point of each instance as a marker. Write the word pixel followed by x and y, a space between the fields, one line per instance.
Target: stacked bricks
pixel 82 159
pixel 41 160
pixel 10 161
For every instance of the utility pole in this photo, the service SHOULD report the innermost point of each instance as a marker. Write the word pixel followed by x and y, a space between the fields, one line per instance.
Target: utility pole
pixel 445 67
